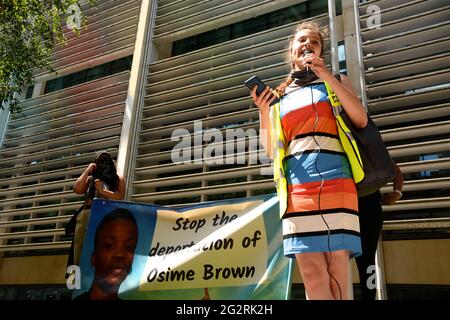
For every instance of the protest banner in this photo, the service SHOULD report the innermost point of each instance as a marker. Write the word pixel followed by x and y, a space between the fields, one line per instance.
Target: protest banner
pixel 229 249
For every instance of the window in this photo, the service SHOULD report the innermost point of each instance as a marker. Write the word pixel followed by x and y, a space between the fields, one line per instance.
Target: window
pixel 29 92
pixel 90 74
pixel 180 201
pixel 243 28
pixel 342 59
pixel 223 196
pixel 427 157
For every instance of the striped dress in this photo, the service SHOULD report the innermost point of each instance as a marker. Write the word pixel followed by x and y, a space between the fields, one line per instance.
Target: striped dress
pixel 322 208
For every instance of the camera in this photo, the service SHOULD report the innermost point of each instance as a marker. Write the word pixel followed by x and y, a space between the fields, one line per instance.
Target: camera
pixel 105 171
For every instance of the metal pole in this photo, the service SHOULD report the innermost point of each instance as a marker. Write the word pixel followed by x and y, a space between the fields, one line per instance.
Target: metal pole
pixel 360 54
pixel 335 70
pixel 380 272
pixel 136 93
pixel 333 41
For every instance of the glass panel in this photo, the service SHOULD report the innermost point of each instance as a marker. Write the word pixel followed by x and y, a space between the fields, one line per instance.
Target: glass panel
pixel 120 65
pixel 95 73
pixel 223 196
pixel 179 173
pixel 29 92
pixel 168 202
pixel 44 227
pixel 256 25
pixel 53 85
pixel 15 241
pixel 264 191
pixel 90 74
pixel 227 181
pixel 288 15
pixel 42 239
pixel 342 59
pixel 250 26
pixel 74 79
pixel 179 187
pixel 213 37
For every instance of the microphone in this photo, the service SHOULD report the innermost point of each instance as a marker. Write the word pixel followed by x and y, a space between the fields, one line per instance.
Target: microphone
pixel 307 51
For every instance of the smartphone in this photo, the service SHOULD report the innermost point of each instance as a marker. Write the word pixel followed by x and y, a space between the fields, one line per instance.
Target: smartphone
pixel 260 86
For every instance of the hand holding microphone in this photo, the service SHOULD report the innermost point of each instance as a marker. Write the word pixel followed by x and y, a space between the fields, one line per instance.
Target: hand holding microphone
pixel 314 63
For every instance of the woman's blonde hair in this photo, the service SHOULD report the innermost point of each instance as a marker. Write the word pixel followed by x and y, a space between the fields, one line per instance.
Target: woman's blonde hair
pixel 307 25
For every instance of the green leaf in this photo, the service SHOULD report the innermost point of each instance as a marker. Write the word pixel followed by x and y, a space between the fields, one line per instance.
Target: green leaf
pixel 29 32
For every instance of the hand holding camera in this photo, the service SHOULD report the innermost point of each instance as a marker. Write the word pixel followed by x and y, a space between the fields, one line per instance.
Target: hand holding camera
pixel 95 187
pixel 103 175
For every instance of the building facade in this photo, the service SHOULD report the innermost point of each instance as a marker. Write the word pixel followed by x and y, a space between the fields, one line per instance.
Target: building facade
pixel 159 84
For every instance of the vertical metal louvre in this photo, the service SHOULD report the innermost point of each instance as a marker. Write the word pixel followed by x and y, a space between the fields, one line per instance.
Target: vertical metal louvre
pixel 51 142
pixel 406 66
pixel 110 34
pixel 202 91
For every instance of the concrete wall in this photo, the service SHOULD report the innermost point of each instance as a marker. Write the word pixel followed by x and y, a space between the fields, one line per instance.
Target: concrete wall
pixel 33 270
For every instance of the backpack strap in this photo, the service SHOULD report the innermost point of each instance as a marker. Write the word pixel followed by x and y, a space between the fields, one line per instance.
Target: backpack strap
pixel 334 100
pixel 346 136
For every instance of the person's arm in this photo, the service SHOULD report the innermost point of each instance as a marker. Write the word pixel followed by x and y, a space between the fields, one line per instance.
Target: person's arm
pixel 391 197
pixel 118 194
pixel 263 103
pixel 343 89
pixel 82 183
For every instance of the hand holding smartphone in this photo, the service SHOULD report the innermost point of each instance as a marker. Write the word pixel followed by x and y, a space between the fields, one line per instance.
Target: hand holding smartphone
pixel 255 81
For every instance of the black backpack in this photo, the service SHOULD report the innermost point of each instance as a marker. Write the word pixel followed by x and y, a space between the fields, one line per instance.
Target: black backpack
pixel 378 166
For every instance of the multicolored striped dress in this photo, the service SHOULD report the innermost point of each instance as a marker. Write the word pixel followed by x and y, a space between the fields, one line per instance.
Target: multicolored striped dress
pixel 322 208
